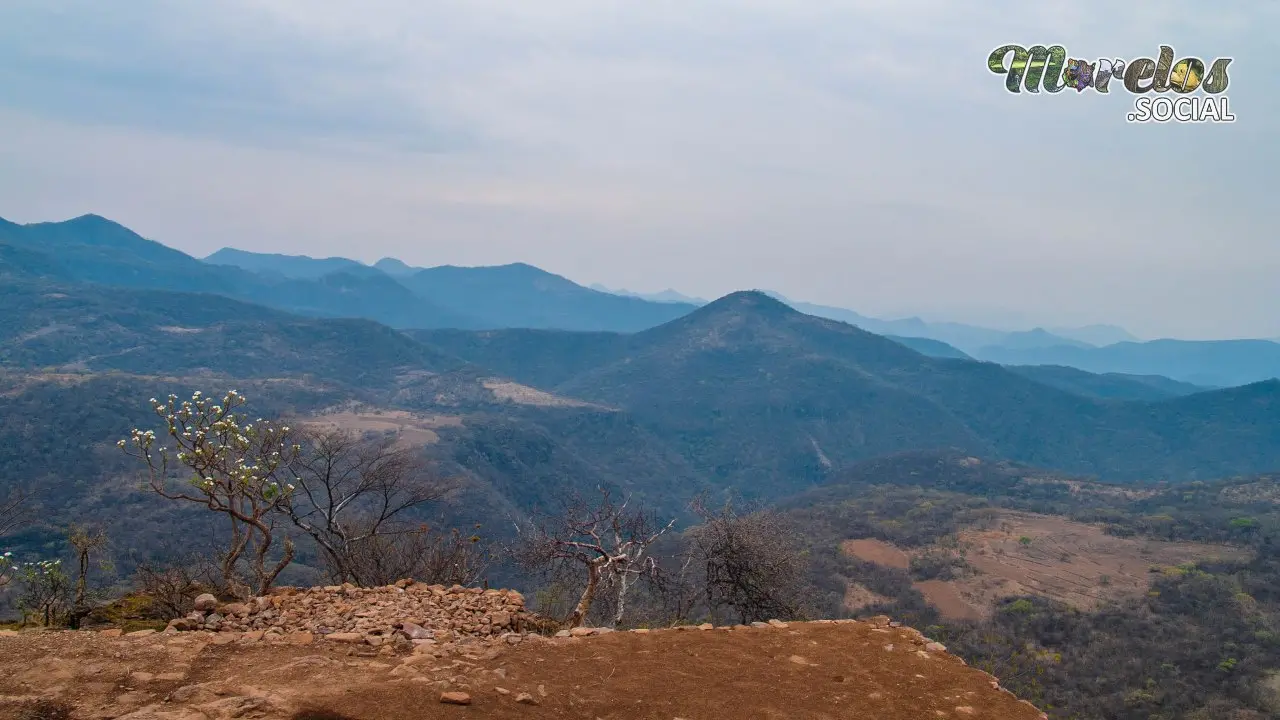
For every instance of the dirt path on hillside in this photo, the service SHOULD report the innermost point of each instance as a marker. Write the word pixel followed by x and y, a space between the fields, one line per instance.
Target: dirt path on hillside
pixel 802 671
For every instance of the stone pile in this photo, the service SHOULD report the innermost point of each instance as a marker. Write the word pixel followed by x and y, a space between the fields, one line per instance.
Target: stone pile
pixel 405 611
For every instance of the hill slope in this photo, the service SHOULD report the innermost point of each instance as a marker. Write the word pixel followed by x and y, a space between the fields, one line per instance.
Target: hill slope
pixel 1107 385
pixel 747 382
pixel 84 327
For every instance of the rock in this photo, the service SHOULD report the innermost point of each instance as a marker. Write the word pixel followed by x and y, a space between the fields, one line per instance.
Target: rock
pixel 935 647
pixel 778 624
pixel 563 634
pixel 501 619
pixel 111 633
pixel 502 691
pixel 141 678
pixel 182 625
pixel 706 626
pixel 252 636
pixel 582 631
pixel 140 633
pixel 641 631
pixel 300 638
pixel 514 639
pixel 526 699
pixel 206 602
pixel 234 610
pixel 414 631
pixel 345 637
pixel 880 621
pixel 799 660
pixel 455 698
pixel 758 624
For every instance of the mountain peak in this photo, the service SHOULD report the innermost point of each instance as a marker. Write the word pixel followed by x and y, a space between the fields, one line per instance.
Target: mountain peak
pixel 752 300
pixel 395 267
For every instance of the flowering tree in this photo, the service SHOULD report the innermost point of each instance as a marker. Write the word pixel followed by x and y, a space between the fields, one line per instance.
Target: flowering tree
pixel 236 468
pixel 45 590
pixel 12 515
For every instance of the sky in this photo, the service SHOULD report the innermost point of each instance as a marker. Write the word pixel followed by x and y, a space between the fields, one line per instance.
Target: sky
pixel 855 153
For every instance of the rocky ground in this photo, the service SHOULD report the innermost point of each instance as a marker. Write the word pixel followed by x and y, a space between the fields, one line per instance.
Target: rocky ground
pixel 815 670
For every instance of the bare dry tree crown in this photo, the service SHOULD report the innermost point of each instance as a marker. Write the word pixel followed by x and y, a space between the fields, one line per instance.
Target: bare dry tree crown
pixel 607 540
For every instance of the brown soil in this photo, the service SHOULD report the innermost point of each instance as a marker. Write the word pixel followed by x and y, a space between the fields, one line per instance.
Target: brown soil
pixel 802 671
pixel 1072 562
pixel 878 552
pixel 1075 563
pixel 946 597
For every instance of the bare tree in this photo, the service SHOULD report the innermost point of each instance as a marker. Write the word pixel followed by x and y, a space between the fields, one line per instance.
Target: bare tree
pixel 238 470
pixel 351 497
pixel 444 558
pixel 172 587
pixel 753 565
pixel 607 540
pixel 85 542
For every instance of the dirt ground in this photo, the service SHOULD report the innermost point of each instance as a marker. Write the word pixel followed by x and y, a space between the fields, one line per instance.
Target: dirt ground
pixel 1026 554
pixel 811 670
pixel 878 552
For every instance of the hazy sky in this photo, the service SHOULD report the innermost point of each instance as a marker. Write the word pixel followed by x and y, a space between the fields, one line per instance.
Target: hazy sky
pixel 847 152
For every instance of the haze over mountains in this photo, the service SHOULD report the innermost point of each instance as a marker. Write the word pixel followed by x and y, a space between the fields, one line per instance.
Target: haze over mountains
pixel 518 295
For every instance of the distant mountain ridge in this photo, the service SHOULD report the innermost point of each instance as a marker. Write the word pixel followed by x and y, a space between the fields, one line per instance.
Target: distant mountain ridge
pixel 291 266
pixel 93 249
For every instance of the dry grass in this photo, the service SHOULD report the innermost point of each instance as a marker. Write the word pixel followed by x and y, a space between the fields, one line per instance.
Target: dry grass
pixel 1025 554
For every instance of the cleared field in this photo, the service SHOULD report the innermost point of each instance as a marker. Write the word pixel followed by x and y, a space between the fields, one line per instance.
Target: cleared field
pixel 525 395
pixel 1026 554
pixel 878 552
pixel 946 597
pixel 410 429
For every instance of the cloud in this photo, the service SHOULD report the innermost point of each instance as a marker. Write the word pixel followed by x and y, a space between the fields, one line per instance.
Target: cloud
pixel 853 152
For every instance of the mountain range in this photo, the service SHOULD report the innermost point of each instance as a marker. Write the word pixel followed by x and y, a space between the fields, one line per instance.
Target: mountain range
pixel 93 249
pixel 744 394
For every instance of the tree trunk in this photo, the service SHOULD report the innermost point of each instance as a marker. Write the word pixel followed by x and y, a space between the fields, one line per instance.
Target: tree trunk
pixel 622 600
pixel 588 594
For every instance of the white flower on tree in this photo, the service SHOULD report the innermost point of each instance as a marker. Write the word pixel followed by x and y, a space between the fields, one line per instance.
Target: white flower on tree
pixel 235 470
